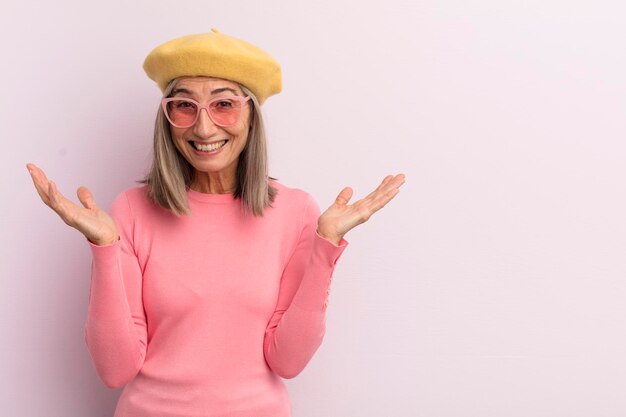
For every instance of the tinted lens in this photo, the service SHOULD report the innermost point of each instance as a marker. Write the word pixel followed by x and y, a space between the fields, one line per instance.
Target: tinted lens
pixel 182 112
pixel 225 111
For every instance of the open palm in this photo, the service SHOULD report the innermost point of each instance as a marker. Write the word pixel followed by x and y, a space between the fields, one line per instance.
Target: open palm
pixel 91 221
pixel 340 217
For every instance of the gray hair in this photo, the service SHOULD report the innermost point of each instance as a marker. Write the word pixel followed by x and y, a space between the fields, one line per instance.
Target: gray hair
pixel 171 175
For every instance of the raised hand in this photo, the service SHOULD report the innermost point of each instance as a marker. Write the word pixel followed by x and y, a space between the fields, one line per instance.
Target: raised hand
pixel 339 218
pixel 94 223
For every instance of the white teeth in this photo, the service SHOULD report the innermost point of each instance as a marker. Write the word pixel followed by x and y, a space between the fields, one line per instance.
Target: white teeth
pixel 209 147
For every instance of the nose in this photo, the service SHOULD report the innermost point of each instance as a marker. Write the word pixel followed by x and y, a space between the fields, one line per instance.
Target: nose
pixel 204 127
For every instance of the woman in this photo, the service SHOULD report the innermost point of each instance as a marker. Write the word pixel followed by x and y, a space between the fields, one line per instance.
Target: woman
pixel 210 282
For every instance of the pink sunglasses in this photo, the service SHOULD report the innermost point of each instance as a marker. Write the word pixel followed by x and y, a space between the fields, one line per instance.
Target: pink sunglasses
pixel 223 111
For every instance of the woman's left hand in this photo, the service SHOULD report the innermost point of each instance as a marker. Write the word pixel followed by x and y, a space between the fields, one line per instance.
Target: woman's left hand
pixel 339 218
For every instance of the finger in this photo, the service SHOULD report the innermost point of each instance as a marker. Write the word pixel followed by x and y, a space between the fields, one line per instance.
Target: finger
pixel 86 198
pixel 390 185
pixel 38 172
pixel 384 182
pixel 381 200
pixel 39 187
pixel 30 166
pixel 60 204
pixel 39 177
pixel 53 194
pixel 380 186
pixel 344 196
pixel 41 184
pixel 379 197
pixel 383 187
pixel 382 196
pixel 394 182
pixel 387 197
pixel 367 209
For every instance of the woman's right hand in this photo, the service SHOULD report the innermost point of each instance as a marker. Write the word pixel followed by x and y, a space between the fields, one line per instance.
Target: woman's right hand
pixel 97 226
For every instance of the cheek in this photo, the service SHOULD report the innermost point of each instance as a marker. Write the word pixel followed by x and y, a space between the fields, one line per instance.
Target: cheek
pixel 241 132
pixel 177 137
pixel 242 129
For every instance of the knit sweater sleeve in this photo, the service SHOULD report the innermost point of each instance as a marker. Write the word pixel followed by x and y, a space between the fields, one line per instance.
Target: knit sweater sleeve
pixel 115 331
pixel 297 327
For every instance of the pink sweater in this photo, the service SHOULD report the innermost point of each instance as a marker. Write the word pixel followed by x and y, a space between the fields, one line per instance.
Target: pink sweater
pixel 200 316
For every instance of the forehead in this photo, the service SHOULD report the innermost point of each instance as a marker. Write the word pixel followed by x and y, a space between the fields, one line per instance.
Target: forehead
pixel 204 85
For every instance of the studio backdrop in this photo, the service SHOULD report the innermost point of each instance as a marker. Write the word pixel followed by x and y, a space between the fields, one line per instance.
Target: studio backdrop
pixel 492 285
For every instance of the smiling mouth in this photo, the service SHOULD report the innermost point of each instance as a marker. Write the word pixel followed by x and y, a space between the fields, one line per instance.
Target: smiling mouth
pixel 208 147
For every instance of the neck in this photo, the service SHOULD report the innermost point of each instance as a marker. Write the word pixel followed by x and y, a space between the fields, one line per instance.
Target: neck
pixel 214 183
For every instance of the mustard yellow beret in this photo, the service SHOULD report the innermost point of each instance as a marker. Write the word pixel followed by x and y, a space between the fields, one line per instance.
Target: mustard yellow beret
pixel 215 54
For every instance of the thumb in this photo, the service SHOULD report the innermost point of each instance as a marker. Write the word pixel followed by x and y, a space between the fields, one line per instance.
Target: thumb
pixel 85 197
pixel 344 196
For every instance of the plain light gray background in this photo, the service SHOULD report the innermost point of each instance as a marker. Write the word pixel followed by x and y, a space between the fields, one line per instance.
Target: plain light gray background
pixel 493 285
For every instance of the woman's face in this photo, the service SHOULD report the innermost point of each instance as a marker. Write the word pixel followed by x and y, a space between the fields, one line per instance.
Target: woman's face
pixel 204 131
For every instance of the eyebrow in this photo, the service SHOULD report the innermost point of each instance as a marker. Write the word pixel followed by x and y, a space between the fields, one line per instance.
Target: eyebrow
pixel 219 90
pixel 216 91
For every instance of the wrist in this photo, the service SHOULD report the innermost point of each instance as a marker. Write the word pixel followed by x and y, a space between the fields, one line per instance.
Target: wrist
pixel 104 242
pixel 333 239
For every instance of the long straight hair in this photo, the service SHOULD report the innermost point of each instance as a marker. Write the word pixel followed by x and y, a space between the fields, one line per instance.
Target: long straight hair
pixel 171 174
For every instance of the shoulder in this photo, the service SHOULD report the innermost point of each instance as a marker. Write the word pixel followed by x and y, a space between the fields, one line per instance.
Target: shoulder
pixel 132 195
pixel 132 200
pixel 298 202
pixel 292 196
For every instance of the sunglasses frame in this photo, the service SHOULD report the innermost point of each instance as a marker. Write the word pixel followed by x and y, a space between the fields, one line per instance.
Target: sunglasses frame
pixel 199 107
